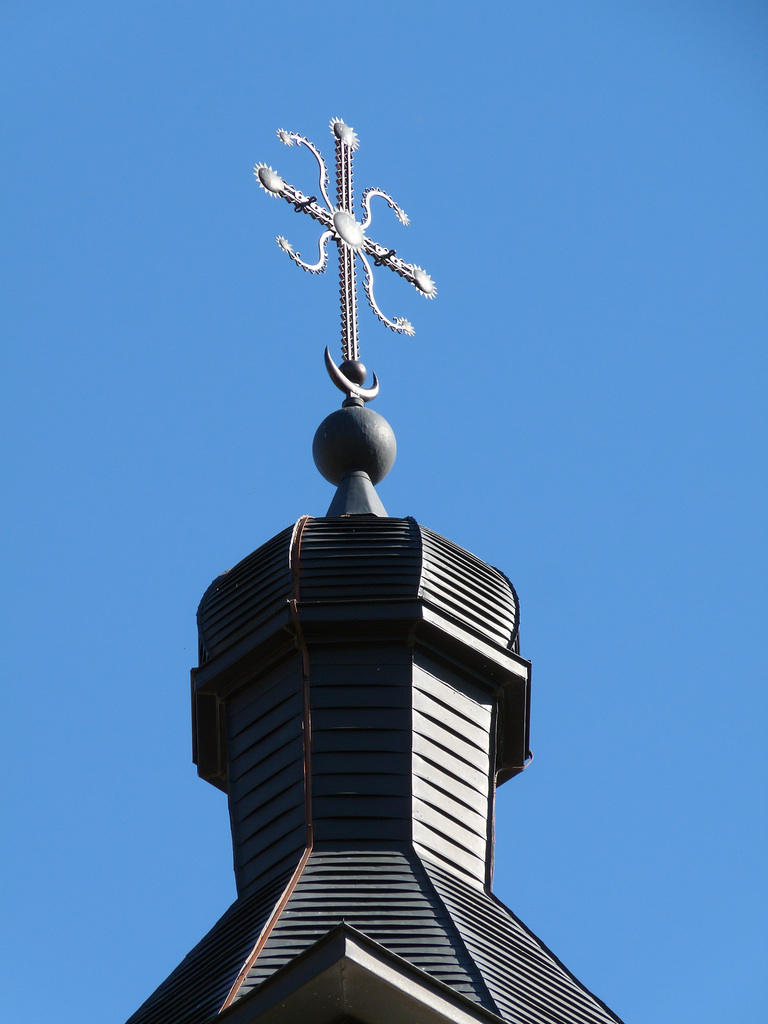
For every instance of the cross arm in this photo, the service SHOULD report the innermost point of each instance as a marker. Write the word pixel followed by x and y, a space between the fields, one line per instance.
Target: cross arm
pixel 383 257
pixel 275 186
pixel 306 204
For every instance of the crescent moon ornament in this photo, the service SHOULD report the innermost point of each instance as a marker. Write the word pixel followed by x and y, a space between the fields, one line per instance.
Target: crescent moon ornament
pixel 349 387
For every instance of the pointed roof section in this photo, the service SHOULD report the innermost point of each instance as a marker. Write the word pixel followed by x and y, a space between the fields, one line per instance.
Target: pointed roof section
pixel 437 932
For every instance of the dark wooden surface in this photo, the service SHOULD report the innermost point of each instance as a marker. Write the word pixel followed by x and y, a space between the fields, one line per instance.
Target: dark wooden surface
pixel 357 694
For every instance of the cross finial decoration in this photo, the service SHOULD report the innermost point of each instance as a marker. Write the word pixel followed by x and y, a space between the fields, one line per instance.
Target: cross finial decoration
pixel 350 236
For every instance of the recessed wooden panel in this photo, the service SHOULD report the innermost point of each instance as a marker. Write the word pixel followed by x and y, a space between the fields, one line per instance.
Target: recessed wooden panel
pixel 266 772
pixel 441 799
pixel 451 735
pixel 360 734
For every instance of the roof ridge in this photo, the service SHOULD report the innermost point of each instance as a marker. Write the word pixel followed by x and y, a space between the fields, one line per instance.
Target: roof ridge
pixel 523 988
pixel 491 1002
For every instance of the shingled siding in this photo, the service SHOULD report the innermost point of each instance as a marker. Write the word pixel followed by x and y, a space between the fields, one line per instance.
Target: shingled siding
pixel 451 769
pixel 266 774
pixel 528 983
pixel 359 558
pixel 195 992
pixel 447 927
pixel 361 736
pixel 387 896
pixel 245 596
pixel 463 587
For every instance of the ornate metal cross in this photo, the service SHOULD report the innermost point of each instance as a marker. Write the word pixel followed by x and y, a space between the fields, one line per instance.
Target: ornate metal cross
pixel 351 240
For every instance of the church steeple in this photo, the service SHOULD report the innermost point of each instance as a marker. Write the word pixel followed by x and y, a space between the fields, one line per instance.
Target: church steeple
pixel 359 697
pixel 371 695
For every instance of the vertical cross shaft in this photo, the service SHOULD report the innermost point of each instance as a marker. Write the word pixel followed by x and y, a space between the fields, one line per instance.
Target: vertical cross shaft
pixel 347 283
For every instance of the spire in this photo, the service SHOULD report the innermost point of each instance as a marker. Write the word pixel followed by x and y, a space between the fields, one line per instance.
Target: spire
pixel 359 697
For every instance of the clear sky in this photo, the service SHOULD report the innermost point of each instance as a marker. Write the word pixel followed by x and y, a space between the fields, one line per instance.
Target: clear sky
pixel 583 405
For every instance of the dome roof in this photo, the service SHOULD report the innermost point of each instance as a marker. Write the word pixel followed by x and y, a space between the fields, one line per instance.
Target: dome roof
pixel 360 560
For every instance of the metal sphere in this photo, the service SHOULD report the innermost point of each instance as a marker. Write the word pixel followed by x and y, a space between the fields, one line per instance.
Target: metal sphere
pixel 354 370
pixel 354 438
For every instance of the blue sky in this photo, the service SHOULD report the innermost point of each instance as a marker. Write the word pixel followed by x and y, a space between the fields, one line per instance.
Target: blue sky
pixel 583 406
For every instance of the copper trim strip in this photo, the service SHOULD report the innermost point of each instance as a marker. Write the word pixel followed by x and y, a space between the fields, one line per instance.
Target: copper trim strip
pixel 266 931
pixel 295 559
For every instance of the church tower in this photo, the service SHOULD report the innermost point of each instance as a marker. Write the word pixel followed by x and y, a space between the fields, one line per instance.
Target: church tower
pixel 359 696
